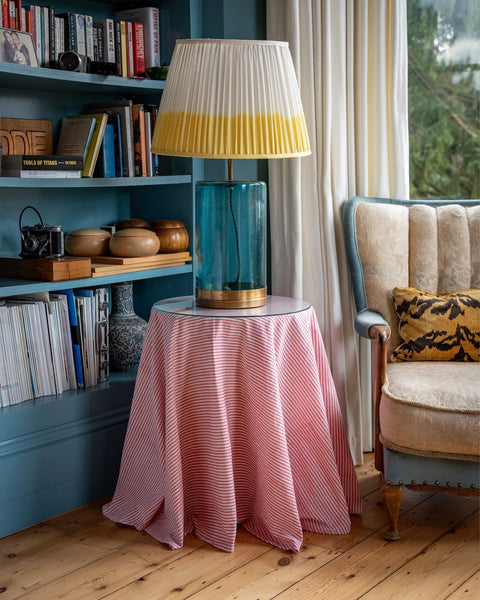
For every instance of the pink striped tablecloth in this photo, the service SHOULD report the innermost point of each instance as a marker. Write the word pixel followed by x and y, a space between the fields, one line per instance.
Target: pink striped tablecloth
pixel 235 419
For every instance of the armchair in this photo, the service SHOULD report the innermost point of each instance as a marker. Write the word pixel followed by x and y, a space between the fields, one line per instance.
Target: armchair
pixel 408 260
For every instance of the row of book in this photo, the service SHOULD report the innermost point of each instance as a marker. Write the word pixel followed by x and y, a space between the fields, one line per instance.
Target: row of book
pixel 110 139
pixel 131 40
pixel 52 342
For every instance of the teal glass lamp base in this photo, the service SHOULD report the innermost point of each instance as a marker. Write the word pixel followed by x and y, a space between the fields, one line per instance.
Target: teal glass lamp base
pixel 230 255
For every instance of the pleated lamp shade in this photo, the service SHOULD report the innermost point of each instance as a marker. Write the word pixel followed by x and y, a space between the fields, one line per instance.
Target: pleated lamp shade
pixel 231 99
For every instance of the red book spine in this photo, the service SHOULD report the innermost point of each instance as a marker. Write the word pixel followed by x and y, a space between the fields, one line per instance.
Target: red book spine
pixel 5 16
pixel 12 20
pixel 139 50
pixel 30 23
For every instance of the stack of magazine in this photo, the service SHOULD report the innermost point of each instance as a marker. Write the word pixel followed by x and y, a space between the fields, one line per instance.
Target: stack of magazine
pixel 52 342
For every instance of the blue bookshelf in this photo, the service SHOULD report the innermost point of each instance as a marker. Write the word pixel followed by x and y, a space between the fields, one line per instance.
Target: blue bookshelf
pixel 60 452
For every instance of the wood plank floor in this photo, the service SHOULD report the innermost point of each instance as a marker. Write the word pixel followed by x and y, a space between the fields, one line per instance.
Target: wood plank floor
pixel 83 556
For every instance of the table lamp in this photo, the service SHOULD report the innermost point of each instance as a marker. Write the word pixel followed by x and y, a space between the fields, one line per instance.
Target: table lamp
pixel 231 99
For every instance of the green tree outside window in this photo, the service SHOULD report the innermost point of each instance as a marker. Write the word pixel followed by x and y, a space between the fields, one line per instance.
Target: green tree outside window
pixel 444 98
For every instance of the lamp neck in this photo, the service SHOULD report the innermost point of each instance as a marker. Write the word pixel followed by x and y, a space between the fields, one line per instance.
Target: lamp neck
pixel 230 169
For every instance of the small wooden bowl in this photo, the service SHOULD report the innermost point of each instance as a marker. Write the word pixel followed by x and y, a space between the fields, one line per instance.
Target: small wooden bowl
pixel 129 223
pixel 172 234
pixel 87 242
pixel 134 242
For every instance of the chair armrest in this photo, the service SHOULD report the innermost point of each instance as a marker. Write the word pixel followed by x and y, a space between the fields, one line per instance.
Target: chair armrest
pixel 373 326
pixel 369 324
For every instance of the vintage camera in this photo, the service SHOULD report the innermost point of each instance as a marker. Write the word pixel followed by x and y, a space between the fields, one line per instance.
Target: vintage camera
pixel 71 61
pixel 40 240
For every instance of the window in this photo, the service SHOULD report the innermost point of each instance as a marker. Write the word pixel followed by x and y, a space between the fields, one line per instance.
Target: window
pixel 444 98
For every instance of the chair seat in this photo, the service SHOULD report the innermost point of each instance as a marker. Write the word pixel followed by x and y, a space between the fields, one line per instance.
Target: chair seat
pixel 432 409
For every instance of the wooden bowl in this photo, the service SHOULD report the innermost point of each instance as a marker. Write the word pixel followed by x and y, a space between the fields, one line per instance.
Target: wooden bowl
pixel 172 234
pixel 87 242
pixel 129 223
pixel 134 242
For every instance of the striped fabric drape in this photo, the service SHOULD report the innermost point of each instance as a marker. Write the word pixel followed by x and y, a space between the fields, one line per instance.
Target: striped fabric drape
pixel 235 420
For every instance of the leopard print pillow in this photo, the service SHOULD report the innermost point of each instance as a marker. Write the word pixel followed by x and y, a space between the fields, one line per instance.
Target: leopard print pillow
pixel 437 327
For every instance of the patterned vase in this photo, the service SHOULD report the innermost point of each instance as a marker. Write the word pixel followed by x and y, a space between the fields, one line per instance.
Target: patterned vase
pixel 127 330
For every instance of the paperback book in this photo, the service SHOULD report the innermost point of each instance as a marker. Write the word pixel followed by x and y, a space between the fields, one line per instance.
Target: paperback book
pixel 75 136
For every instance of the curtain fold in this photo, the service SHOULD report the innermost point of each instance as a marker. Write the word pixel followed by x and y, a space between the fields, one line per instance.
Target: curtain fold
pixel 350 58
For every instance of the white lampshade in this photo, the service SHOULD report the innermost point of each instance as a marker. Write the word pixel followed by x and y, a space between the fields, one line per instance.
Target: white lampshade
pixel 231 99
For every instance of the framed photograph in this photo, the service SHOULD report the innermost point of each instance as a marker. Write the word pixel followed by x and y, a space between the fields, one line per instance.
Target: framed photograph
pixel 17 47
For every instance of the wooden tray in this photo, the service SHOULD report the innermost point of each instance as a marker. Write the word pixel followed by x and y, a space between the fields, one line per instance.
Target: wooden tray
pixel 100 270
pixel 156 259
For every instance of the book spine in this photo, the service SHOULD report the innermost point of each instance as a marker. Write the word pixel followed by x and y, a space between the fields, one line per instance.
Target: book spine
pixel 80 30
pixel 102 333
pixel 44 162
pixel 23 19
pixel 52 60
pixel 118 47
pixel 117 138
pixel 18 14
pixel 130 48
pixel 89 36
pixel 30 174
pixel 70 32
pixel 38 34
pixel 30 22
pixel 45 36
pixel 59 35
pixel 139 49
pixel 12 21
pixel 124 48
pixel 143 152
pixel 97 37
pixel 5 14
pixel 106 160
pixel 109 40
pixel 77 356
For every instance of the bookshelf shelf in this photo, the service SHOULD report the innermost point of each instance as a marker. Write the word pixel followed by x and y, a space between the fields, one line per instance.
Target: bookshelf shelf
pixel 14 287
pixel 107 183
pixel 53 80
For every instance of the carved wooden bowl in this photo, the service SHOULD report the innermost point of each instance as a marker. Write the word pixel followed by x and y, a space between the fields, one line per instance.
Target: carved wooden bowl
pixel 133 242
pixel 87 242
pixel 172 234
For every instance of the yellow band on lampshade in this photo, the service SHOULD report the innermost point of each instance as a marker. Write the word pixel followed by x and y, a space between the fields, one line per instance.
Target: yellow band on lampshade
pixel 231 99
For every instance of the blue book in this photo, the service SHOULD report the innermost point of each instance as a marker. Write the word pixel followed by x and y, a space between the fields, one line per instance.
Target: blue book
pixel 117 133
pixel 77 355
pixel 106 159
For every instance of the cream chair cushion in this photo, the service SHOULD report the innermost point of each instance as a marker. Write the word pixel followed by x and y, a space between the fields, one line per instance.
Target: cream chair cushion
pixel 431 409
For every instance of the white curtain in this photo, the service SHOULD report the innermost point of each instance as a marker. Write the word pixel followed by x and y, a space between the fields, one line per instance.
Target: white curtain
pixel 351 62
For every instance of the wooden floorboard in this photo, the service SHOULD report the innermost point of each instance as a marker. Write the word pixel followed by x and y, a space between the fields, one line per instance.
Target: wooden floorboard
pixel 83 556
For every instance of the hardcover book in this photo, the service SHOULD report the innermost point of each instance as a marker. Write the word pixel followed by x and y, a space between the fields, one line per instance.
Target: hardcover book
pixel 95 142
pixel 75 136
pixel 38 173
pixel 44 162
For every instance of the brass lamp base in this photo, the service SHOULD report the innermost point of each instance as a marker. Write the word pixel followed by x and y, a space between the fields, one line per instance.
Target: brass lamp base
pixel 231 298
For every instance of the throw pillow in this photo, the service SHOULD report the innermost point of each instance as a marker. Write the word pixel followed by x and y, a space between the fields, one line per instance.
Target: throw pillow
pixel 432 327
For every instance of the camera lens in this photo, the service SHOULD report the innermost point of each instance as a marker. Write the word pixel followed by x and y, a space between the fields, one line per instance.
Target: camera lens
pixel 30 243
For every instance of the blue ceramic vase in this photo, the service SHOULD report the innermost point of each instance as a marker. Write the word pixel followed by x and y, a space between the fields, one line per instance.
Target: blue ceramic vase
pixel 127 330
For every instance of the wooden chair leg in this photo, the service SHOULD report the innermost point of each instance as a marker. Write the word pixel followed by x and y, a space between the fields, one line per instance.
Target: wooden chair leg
pixel 392 498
